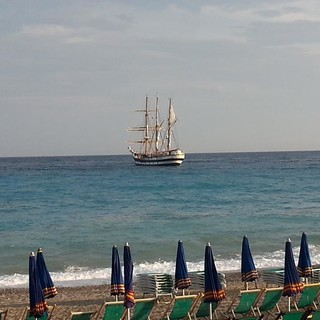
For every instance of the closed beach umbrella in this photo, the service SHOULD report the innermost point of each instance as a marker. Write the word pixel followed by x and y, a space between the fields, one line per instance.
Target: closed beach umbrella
pixel 117 285
pixel 48 288
pixel 304 264
pixel 182 280
pixel 248 270
pixel 38 305
pixel 213 291
pixel 292 284
pixel 128 278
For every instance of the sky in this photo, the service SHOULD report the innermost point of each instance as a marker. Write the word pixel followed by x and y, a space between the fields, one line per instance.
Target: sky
pixel 243 75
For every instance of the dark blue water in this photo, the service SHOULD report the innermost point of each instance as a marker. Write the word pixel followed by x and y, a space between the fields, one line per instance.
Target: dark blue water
pixel 77 208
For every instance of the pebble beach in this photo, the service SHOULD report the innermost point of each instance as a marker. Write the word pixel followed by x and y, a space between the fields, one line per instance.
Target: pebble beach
pixel 86 298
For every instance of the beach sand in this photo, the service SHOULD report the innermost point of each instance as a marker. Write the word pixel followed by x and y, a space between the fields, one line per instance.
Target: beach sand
pixel 92 298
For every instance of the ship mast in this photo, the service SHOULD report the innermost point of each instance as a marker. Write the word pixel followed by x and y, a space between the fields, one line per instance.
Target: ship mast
pixel 169 127
pixel 146 132
pixel 157 126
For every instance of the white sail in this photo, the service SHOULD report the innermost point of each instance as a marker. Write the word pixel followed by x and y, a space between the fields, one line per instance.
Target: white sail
pixel 172 116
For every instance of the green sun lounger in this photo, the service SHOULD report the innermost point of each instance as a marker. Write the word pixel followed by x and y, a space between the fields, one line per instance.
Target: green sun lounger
pixel 270 302
pixel 204 310
pixel 247 299
pixel 85 315
pixel 45 316
pixel 315 315
pixel 143 308
pixel 179 307
pixel 308 296
pixel 297 315
pixel 112 310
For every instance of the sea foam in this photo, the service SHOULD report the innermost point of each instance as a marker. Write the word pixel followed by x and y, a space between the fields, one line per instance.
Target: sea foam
pixel 74 276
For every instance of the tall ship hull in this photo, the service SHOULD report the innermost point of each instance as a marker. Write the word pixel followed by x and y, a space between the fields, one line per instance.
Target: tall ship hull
pixel 158 146
pixel 173 158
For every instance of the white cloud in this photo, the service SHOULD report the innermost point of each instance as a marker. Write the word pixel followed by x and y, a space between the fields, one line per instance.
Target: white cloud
pixel 47 30
pixel 310 49
pixel 65 34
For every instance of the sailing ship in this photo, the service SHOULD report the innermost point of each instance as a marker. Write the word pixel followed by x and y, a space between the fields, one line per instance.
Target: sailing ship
pixel 158 145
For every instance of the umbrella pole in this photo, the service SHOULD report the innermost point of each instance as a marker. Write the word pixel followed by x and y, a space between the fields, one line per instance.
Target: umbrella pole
pixel 128 313
pixel 183 292
pixel 289 307
pixel 116 297
pixel 210 310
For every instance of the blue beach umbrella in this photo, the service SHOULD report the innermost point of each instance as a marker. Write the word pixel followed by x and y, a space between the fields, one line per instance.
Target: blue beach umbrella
pixel 213 291
pixel 182 280
pixel 117 285
pixel 304 264
pixel 48 288
pixel 38 306
pixel 128 279
pixel 248 270
pixel 292 284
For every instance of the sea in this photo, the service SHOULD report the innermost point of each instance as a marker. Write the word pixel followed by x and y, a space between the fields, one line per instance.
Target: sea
pixel 77 208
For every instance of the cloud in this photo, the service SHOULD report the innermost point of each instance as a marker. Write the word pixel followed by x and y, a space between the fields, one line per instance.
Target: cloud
pixel 49 30
pixel 65 34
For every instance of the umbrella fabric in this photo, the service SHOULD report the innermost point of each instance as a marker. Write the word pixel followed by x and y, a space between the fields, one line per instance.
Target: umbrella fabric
pixel 38 305
pixel 117 285
pixel 213 291
pixel 292 284
pixel 304 264
pixel 48 288
pixel 182 280
pixel 248 270
pixel 128 275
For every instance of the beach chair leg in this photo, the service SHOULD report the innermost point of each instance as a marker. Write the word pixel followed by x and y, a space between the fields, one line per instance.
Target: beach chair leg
pixel 306 314
pixel 279 316
pixel 24 314
pixel 253 311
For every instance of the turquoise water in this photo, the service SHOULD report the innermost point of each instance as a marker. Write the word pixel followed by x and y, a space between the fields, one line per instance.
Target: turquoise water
pixel 77 208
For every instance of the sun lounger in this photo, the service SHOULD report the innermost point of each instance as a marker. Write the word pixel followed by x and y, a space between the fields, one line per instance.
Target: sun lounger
pixel 45 316
pixel 3 314
pixel 85 315
pixel 296 315
pixel 143 308
pixel 201 309
pixel 308 296
pixel 111 310
pixel 204 310
pixel 155 283
pixel 197 280
pixel 272 276
pixel 270 300
pixel 315 314
pixel 247 299
pixel 179 307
